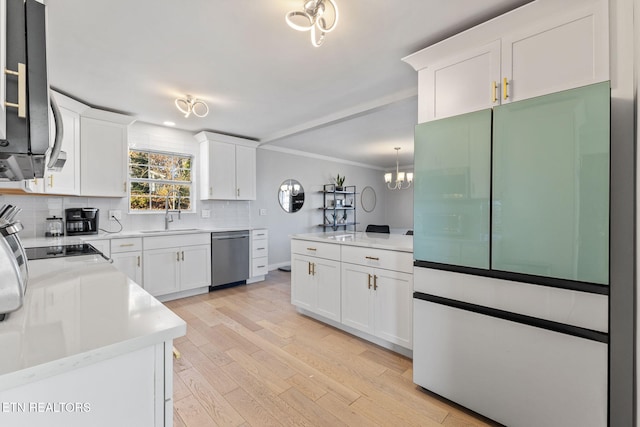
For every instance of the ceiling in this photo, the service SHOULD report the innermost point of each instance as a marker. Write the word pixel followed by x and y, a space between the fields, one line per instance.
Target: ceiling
pixel 352 98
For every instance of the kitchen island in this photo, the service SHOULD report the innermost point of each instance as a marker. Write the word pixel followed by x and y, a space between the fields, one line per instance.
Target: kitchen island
pixel 88 347
pixel 359 282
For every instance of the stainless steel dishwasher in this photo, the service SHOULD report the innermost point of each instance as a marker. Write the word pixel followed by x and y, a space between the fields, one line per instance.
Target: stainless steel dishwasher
pixel 229 257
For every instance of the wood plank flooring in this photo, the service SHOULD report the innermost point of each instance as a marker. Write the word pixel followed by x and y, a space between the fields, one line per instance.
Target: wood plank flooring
pixel 250 359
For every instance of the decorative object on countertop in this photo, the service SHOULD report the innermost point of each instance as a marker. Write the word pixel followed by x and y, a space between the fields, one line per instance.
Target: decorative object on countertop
pixel 189 105
pixel 291 195
pixel 55 227
pixel 314 13
pixel 401 177
pixel 338 206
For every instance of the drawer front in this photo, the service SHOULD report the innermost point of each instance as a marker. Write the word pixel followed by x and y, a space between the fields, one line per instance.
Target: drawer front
pixel 260 249
pixel 378 258
pixel 259 266
pixel 317 249
pixel 160 242
pixel 260 234
pixel 126 245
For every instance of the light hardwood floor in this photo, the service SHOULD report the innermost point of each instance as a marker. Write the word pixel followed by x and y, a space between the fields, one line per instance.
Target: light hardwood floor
pixel 250 359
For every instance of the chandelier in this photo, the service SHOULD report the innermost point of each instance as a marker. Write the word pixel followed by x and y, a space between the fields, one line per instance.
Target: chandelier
pixel 401 177
pixel 193 105
pixel 313 19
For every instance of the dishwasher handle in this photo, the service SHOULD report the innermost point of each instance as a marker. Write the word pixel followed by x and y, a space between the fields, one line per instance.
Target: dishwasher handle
pixel 230 235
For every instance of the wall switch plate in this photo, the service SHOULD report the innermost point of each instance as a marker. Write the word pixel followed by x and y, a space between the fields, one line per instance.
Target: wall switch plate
pixel 263 212
pixel 117 214
pixel 206 213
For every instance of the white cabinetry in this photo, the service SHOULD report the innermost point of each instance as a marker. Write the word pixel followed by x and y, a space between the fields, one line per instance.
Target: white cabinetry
pixel 523 58
pixel 103 148
pixel 259 254
pixel 176 263
pixel 315 281
pixel 227 168
pixel 127 257
pixel 376 297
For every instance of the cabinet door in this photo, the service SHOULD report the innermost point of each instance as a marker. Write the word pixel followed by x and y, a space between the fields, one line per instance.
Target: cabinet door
pixel 67 181
pixel 563 52
pixel 245 173
pixel 393 307
pixel 357 293
pixel 460 84
pixel 303 285
pixel 103 158
pixel 161 271
pixel 195 267
pixel 222 171
pixel 130 263
pixel 328 297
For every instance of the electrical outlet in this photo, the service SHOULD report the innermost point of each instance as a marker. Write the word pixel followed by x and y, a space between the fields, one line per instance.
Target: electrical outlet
pixel 117 214
pixel 263 212
pixel 206 213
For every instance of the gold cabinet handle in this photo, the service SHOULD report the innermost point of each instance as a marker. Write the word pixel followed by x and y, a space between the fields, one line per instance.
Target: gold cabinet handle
pixel 51 181
pixel 309 268
pixel 494 92
pixel 182 255
pixel 505 90
pixel 176 353
pixel 311 249
pixel 369 281
pixel 373 258
pixel 313 268
pixel 126 245
pixel 238 192
pixel 178 256
pixel 21 105
pixel 124 187
pixel 138 260
pixel 375 282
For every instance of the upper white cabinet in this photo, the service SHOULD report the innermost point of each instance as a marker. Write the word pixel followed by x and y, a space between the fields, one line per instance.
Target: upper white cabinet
pixel 227 168
pixel 103 149
pixel 537 49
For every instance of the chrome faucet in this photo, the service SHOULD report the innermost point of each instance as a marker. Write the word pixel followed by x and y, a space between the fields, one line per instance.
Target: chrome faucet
pixel 167 215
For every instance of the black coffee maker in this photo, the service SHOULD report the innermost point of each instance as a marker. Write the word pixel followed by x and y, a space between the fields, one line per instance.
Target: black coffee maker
pixel 81 221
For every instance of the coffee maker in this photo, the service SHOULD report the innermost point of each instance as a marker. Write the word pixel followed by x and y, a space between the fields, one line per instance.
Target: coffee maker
pixel 81 221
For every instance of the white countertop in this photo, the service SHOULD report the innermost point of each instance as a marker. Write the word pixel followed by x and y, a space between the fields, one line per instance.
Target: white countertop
pixel 32 242
pixel 396 242
pixel 79 311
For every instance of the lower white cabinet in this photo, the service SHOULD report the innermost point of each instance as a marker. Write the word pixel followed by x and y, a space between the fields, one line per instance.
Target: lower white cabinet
pixel 176 263
pixel 364 289
pixel 127 257
pixel 378 302
pixel 259 254
pixel 317 285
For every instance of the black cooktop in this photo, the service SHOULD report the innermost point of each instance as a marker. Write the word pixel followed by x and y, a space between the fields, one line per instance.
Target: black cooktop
pixel 59 251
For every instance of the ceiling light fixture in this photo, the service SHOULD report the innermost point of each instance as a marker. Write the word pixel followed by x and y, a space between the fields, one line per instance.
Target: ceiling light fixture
pixel 314 13
pixel 193 105
pixel 401 177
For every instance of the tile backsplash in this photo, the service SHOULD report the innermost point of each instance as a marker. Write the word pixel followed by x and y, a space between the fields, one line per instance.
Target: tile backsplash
pixel 35 210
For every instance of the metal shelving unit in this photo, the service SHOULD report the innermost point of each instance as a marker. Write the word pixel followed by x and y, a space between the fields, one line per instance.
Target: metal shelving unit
pixel 338 207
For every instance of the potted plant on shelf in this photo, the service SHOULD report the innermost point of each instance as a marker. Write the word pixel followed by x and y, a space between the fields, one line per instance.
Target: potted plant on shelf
pixel 340 182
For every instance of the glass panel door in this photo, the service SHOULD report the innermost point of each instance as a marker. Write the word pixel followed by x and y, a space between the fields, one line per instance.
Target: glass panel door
pixel 551 185
pixel 452 187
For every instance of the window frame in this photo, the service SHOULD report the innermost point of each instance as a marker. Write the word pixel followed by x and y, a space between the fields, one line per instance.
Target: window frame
pixel 191 183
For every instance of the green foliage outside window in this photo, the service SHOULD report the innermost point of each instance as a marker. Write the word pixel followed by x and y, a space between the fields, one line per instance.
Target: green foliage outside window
pixel 156 178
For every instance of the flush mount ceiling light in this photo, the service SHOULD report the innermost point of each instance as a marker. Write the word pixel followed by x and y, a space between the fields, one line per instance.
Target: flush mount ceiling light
pixel 193 105
pixel 312 19
pixel 401 177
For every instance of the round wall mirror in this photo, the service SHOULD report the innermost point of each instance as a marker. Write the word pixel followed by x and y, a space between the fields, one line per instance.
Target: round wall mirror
pixel 291 195
pixel 368 199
